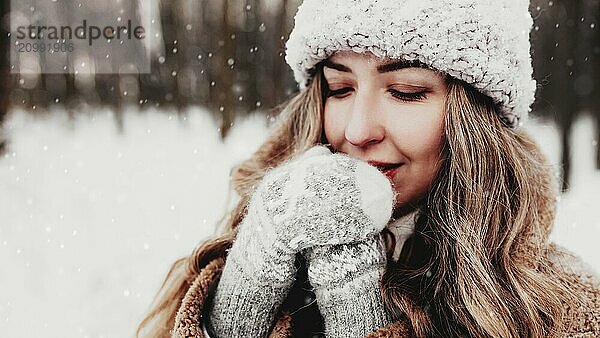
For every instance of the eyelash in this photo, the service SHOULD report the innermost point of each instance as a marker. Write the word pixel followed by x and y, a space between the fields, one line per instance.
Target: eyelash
pixel 407 97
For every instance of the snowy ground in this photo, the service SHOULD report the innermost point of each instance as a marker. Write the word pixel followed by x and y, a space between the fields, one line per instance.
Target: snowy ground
pixel 92 219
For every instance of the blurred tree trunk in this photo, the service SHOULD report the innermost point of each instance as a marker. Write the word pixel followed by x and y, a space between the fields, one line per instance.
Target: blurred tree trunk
pixel 167 69
pixel 563 84
pixel 212 24
pixel 278 52
pixel 191 81
pixel 6 79
pixel 40 98
pixel 131 82
pixel 587 81
pixel 225 99
pixel 593 26
pixel 202 40
pixel 178 50
pixel 255 68
pixel 151 89
pixel 554 42
pixel 247 68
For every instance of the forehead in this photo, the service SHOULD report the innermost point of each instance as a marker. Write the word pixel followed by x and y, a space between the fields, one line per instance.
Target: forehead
pixel 349 62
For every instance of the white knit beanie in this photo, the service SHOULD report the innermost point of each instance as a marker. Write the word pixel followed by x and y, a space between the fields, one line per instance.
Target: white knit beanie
pixel 482 42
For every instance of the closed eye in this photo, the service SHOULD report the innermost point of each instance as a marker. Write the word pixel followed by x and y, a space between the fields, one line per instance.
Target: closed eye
pixel 339 93
pixel 402 96
pixel 408 97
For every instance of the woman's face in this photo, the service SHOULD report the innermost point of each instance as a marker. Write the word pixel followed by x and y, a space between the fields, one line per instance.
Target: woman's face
pixel 389 114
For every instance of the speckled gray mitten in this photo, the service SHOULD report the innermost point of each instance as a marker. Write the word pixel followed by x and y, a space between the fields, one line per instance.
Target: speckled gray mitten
pixel 317 199
pixel 346 280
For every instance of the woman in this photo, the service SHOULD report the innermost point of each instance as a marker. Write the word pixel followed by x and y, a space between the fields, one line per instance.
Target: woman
pixel 426 210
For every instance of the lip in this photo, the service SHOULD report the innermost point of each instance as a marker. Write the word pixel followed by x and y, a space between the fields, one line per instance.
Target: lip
pixel 388 169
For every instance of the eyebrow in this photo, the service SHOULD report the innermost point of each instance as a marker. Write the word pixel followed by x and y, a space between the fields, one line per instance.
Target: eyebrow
pixel 384 68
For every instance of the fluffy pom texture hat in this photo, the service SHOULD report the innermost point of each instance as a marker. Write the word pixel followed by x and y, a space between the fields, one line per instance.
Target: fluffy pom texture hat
pixel 482 42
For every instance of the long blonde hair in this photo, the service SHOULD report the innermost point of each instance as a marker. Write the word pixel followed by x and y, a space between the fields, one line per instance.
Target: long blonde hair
pixel 478 263
pixel 480 236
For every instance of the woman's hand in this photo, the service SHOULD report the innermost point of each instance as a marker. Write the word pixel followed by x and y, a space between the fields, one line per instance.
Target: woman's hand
pixel 321 199
pixel 315 199
pixel 346 281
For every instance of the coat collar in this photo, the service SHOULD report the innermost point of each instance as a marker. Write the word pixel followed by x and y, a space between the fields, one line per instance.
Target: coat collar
pixel 402 228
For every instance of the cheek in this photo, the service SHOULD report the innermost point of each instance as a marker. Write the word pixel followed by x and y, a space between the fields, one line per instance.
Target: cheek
pixel 334 125
pixel 428 149
pixel 422 145
pixel 430 146
pixel 426 134
pixel 419 135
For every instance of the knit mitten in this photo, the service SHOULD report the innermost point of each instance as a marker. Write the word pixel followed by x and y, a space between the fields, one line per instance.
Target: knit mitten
pixel 346 280
pixel 316 199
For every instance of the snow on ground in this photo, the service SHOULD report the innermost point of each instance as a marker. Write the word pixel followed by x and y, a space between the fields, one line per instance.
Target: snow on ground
pixel 577 225
pixel 92 219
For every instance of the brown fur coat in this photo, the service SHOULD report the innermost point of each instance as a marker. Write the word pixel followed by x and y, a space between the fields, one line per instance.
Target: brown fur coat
pixel 585 320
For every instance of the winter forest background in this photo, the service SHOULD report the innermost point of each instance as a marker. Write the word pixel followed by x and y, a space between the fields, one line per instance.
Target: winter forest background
pixel 106 179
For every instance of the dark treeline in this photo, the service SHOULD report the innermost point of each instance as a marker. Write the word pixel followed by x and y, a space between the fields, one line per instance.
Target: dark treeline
pixel 228 56
pixel 566 59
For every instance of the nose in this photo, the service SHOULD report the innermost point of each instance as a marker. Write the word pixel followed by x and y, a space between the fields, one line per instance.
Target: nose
pixel 363 128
